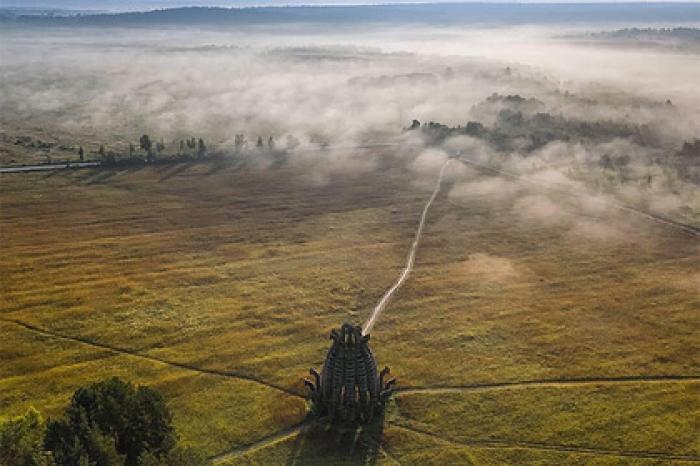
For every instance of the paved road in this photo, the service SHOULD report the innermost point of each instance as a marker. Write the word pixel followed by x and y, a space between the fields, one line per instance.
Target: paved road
pixel 45 167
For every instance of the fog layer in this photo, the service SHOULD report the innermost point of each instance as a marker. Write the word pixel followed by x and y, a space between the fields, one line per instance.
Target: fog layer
pixel 354 86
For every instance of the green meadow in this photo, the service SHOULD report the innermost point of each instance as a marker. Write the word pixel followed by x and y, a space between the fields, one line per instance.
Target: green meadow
pixel 569 342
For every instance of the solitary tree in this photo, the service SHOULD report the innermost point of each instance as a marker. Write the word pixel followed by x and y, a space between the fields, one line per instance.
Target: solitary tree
pixel 132 149
pixel 202 148
pixel 81 153
pixel 240 142
pixel 145 142
pixel 271 143
pixel 147 145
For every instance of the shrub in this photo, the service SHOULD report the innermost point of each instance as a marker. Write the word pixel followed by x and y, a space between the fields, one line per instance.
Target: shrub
pixel 21 441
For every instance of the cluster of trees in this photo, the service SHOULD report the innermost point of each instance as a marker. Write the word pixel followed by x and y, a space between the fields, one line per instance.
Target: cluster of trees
pixel 240 143
pixel 688 161
pixel 150 148
pixel 686 33
pixel 146 143
pixel 691 149
pixel 270 143
pixel 107 423
pixel 609 162
pixel 521 125
pixel 194 146
pixel 513 102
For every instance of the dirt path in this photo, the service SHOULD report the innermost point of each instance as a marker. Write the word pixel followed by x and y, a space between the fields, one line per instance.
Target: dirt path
pixel 513 444
pixel 136 354
pixel 401 391
pixel 564 382
pixel 410 260
pixel 497 443
pixel 262 443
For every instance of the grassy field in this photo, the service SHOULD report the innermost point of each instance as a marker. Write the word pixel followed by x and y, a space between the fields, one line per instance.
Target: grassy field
pixel 218 284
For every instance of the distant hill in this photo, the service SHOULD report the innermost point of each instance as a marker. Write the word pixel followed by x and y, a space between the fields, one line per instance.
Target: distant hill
pixel 15 12
pixel 464 13
pixel 688 34
pixel 681 39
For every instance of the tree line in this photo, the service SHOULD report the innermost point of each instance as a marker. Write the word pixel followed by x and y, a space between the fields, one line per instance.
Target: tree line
pixel 151 151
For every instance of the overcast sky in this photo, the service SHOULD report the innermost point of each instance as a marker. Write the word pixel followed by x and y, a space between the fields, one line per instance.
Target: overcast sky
pixel 151 4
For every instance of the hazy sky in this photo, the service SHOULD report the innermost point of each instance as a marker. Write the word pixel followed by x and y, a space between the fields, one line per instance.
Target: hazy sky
pixel 149 4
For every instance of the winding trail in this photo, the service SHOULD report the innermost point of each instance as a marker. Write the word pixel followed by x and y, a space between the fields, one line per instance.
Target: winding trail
pixel 562 382
pixel 411 259
pixel 136 354
pixel 500 443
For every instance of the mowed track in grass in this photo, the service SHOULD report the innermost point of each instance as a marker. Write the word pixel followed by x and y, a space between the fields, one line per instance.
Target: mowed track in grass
pixel 136 354
pixel 244 271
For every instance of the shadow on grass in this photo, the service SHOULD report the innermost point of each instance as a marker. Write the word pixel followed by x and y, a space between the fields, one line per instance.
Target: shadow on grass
pixel 216 166
pixel 99 177
pixel 100 174
pixel 171 171
pixel 230 164
pixel 324 444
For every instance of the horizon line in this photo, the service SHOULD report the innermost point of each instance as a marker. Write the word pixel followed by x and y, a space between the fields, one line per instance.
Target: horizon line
pixel 155 8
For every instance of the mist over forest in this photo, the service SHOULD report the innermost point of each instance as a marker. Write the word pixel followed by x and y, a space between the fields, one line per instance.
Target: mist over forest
pixel 609 108
pixel 547 89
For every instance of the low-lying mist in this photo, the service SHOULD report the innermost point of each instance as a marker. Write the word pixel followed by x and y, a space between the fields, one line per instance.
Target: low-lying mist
pixel 316 82
pixel 354 86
